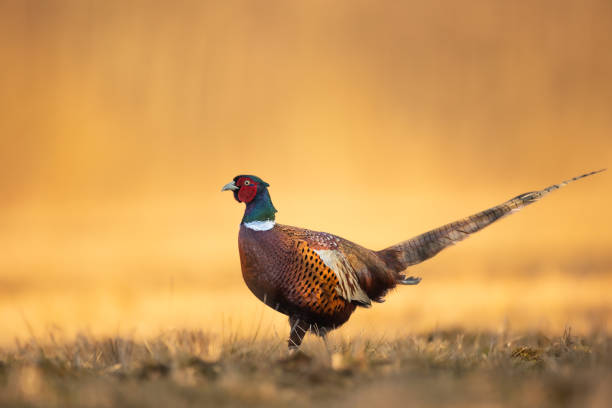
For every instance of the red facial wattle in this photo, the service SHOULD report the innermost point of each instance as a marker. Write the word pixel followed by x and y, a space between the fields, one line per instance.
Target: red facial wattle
pixel 248 190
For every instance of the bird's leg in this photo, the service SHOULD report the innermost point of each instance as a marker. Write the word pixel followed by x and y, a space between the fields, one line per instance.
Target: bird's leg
pixel 325 342
pixel 321 332
pixel 299 328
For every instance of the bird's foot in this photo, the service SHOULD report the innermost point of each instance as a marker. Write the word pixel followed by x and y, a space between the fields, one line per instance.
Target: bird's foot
pixel 295 359
pixel 293 350
pixel 411 280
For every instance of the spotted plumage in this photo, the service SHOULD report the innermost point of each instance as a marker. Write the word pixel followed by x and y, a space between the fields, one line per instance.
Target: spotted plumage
pixel 319 279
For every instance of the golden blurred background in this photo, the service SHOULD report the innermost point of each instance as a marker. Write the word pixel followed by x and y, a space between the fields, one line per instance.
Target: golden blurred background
pixel 374 120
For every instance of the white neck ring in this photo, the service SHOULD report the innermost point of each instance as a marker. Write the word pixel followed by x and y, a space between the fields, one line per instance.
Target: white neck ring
pixel 260 225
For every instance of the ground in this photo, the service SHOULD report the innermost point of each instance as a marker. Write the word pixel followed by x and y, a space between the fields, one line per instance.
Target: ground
pixel 194 368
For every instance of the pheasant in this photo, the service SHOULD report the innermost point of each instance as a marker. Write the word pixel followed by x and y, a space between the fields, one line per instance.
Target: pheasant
pixel 319 279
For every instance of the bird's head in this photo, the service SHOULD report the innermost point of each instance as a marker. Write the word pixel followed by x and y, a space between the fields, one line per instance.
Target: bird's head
pixel 252 191
pixel 246 188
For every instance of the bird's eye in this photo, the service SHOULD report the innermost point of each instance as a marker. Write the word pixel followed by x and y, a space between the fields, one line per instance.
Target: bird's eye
pixel 247 182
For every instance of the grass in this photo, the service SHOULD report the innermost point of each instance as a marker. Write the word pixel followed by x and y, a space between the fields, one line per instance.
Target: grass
pixel 195 368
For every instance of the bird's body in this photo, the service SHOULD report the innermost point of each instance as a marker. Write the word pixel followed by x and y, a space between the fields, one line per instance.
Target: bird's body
pixel 319 279
pixel 282 269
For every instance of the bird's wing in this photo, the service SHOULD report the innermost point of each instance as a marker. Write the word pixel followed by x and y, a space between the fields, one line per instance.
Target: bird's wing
pixel 348 285
pixel 424 246
pixel 321 252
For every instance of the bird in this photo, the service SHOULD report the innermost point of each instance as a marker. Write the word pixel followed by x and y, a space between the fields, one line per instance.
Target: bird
pixel 318 279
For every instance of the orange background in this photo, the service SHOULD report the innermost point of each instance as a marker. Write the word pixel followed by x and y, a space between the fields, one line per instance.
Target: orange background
pixel 373 120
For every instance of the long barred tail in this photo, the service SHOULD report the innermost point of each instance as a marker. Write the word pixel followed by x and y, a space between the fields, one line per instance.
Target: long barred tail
pixel 426 245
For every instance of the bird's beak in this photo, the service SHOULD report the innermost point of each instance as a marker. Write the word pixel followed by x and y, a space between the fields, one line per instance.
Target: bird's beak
pixel 230 186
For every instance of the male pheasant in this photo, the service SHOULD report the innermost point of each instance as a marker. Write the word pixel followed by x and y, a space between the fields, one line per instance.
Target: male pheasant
pixel 318 279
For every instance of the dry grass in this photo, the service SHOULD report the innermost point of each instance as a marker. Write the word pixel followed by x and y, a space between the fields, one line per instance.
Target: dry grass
pixel 194 368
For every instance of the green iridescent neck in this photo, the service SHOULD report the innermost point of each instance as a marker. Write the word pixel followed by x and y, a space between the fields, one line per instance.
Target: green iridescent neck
pixel 260 209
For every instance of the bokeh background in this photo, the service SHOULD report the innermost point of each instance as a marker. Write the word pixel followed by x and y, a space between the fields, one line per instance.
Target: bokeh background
pixel 374 120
